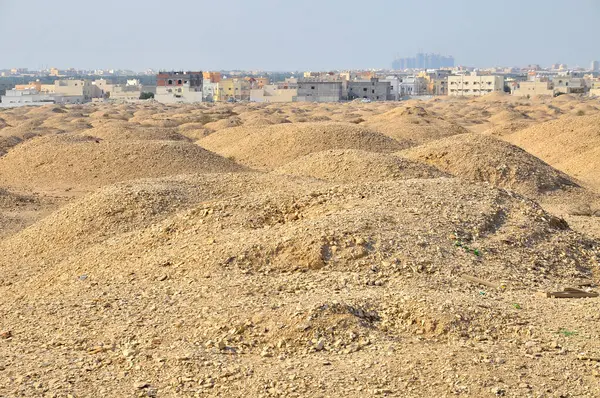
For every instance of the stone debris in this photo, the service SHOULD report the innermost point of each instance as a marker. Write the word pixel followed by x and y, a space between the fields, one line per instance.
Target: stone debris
pixel 291 250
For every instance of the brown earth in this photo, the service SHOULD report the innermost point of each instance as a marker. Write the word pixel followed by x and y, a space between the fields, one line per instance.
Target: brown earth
pixel 318 250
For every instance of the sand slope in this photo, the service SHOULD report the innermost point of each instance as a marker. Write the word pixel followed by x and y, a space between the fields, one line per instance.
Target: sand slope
pixel 352 165
pixel 272 146
pixel 571 144
pixel 483 158
pixel 82 161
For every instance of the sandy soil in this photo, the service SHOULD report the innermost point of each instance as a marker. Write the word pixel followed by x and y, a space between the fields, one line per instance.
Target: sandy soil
pixel 301 250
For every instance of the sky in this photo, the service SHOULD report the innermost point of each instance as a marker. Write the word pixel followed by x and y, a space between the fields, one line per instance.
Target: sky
pixel 286 35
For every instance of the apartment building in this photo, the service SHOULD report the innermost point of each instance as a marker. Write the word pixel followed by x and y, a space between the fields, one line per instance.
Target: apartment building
pixel 595 88
pixel 311 89
pixel 211 77
pixel 274 93
pixel 76 88
pixel 209 90
pixel 474 84
pixel 566 84
pixel 179 87
pixel 233 89
pixel 31 96
pixel 372 89
pixel 533 88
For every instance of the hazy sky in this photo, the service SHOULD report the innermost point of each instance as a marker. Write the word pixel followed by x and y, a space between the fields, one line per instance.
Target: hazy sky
pixel 293 35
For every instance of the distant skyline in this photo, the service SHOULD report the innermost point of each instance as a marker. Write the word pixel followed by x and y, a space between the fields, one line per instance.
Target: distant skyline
pixel 278 35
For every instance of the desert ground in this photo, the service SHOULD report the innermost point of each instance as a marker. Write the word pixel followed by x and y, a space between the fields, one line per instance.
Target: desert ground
pixel 385 249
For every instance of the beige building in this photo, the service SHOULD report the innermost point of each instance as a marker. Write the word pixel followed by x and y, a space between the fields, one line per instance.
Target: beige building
pixel 533 88
pixel 474 84
pixel 273 93
pixel 83 88
pixel 595 88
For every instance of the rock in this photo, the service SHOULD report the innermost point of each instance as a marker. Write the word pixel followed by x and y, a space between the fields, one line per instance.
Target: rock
pixel 128 352
pixel 140 385
pixel 6 335
pixel 320 345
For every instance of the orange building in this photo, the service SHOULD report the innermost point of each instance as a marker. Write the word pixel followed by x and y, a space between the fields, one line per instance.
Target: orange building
pixel 213 77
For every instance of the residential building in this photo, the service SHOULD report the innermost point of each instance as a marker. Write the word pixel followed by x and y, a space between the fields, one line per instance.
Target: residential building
pixel 129 92
pixel 412 86
pixel 595 88
pixel 211 77
pixel 312 89
pixel 436 81
pixel 103 87
pixel 595 67
pixel 394 82
pixel 533 88
pixel 233 89
pixel 179 87
pixel 32 96
pixel 274 93
pixel 209 90
pixel 372 89
pixel 474 84
pixel 77 88
pixel 567 84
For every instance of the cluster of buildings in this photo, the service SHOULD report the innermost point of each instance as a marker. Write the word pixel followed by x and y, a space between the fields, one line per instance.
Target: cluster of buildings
pixel 73 91
pixel 385 85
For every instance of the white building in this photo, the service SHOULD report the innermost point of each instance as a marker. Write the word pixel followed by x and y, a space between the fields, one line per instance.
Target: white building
pixel 412 86
pixel 208 91
pixel 474 84
pixel 33 97
pixel 394 87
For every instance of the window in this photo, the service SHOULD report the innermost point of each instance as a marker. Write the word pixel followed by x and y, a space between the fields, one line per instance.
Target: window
pixel 170 82
pixel 312 87
pixel 178 81
pixel 372 91
pixel 365 89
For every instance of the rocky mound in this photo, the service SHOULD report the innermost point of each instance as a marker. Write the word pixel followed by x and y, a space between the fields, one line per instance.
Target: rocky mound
pixel 83 161
pixel 483 158
pixel 353 165
pixel 221 124
pixel 132 132
pixel 272 146
pixel 413 124
pixel 8 142
pixel 571 144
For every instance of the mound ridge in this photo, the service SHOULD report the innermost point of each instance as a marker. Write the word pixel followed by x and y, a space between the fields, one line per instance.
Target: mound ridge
pixel 483 158
pixel 83 161
pixel 130 132
pixel 353 165
pixel 413 124
pixel 300 226
pixel 571 144
pixel 272 146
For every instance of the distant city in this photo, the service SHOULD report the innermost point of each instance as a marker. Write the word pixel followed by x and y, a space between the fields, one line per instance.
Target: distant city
pixel 424 61
pixel 422 76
